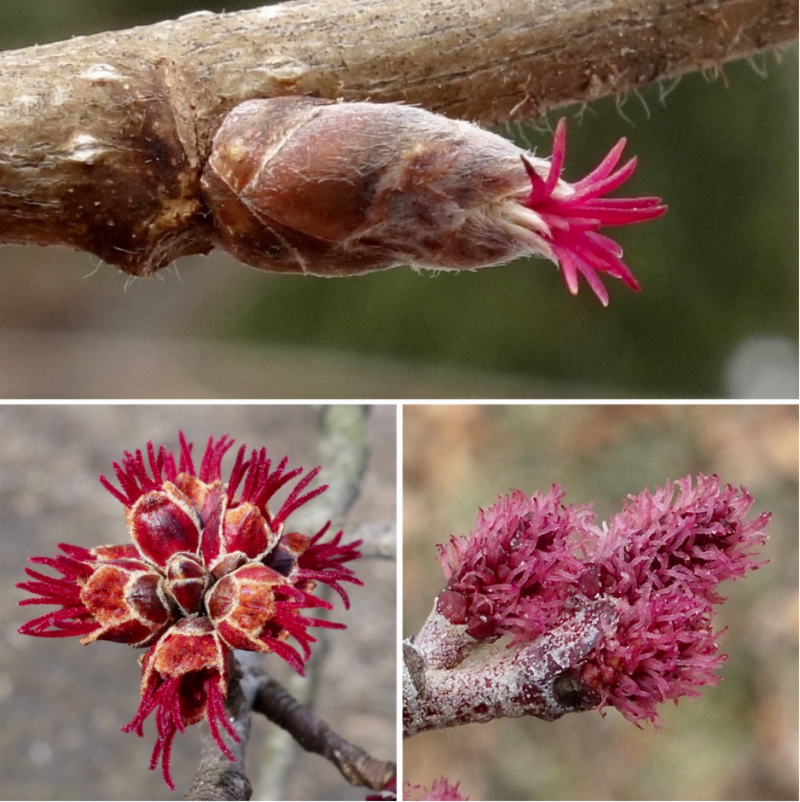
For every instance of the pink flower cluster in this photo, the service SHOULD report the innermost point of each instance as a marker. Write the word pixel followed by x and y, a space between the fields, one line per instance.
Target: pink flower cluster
pixel 518 568
pixel 530 563
pixel 209 569
pixel 662 558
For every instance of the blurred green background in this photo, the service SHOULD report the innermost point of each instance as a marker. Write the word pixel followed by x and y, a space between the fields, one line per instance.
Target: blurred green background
pixel 717 315
pixel 736 741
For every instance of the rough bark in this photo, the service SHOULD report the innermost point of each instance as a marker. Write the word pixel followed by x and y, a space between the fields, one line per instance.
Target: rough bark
pixel 451 679
pixel 103 138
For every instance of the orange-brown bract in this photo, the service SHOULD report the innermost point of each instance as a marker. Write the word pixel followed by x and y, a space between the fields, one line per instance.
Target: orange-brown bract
pixel 306 185
pixel 129 603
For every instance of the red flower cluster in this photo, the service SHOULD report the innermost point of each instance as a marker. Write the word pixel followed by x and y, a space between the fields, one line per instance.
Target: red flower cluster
pixel 662 558
pixel 514 573
pixel 532 563
pixel 207 572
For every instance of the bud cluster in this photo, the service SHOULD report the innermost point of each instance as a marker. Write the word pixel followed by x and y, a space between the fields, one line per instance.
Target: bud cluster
pixel 210 569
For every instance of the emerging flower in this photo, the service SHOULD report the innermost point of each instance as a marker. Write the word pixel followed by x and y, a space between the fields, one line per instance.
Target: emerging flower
pixel 101 598
pixel 313 186
pixel 563 219
pixel 662 558
pixel 184 680
pixel 208 571
pixel 532 564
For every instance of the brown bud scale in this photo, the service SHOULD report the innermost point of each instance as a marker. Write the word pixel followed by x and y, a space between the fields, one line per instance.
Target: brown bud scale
pixel 307 185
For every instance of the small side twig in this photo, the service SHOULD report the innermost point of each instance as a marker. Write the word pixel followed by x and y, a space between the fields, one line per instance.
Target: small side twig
pixel 314 735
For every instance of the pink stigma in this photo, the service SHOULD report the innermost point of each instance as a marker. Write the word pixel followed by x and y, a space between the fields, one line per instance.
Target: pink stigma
pixel 573 213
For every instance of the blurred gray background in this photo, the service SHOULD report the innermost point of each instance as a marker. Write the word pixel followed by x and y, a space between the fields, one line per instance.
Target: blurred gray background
pixel 717 315
pixel 62 704
pixel 736 741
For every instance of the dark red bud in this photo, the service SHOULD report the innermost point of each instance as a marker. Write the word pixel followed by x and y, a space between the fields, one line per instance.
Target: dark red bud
pixel 245 529
pixel 229 563
pixel 203 497
pixel 187 581
pixel 235 536
pixel 191 647
pixel 453 606
pixel 590 581
pixel 482 628
pixel 283 558
pixel 188 646
pixel 163 523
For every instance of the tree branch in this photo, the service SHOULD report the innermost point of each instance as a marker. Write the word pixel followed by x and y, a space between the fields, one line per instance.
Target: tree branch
pixel 443 687
pixel 103 138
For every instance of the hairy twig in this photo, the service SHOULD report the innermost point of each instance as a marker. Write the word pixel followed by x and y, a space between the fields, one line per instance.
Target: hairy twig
pixel 103 138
